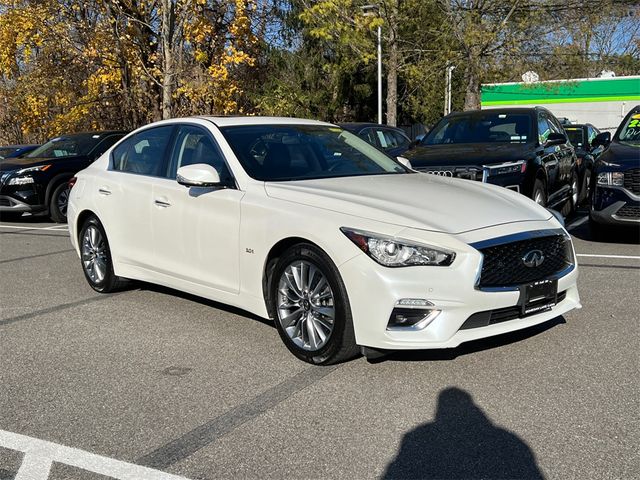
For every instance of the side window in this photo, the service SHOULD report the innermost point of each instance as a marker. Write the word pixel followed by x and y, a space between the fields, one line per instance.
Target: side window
pixel 544 129
pixel 592 132
pixel 390 139
pixel 368 136
pixel 401 140
pixel 554 124
pixel 144 152
pixel 382 139
pixel 195 145
pixel 105 144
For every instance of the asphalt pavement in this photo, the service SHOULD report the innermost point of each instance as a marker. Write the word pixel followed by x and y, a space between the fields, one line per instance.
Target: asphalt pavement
pixel 152 383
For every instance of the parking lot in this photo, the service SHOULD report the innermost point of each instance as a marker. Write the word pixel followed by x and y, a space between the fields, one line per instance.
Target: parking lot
pixel 150 383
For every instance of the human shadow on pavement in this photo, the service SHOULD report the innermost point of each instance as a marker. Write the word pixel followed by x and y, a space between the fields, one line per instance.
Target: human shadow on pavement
pixel 462 443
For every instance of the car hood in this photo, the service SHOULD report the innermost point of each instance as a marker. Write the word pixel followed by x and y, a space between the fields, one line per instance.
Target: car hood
pixel 414 200
pixel 467 154
pixel 9 164
pixel 627 155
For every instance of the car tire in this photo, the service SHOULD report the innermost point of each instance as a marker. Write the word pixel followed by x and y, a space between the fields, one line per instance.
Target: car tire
pixel 539 192
pixel 598 231
pixel 58 203
pixel 95 258
pixel 586 186
pixel 305 290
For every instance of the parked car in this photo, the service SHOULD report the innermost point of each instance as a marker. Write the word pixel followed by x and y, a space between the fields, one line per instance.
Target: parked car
pixel 522 149
pixel 37 182
pixel 16 151
pixel 391 140
pixel 307 224
pixel 581 137
pixel 616 195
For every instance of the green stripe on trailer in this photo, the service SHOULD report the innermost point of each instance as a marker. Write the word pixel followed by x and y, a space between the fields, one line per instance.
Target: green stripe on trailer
pixel 562 91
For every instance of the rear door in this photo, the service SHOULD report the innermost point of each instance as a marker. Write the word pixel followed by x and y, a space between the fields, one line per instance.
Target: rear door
pixel 196 230
pixel 124 194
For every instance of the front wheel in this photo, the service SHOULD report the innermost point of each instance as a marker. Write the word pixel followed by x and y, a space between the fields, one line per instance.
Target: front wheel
pixel 59 202
pixel 96 258
pixel 310 306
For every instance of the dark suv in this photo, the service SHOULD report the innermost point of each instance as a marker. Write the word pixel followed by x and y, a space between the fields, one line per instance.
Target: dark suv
pixel 38 182
pixel 523 149
pixel 391 140
pixel 616 196
pixel 581 137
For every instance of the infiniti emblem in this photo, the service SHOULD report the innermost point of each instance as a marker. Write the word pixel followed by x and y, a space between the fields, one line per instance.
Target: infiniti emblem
pixel 533 258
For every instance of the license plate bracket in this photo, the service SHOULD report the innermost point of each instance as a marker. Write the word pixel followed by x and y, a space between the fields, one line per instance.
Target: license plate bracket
pixel 538 297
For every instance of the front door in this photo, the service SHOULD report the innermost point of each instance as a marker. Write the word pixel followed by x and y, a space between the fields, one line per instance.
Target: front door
pixel 196 230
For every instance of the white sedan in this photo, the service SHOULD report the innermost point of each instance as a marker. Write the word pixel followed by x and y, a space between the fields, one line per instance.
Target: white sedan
pixel 304 223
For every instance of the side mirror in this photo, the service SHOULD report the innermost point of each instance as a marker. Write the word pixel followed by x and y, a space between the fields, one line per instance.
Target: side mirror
pixel 405 162
pixel 602 139
pixel 198 175
pixel 555 138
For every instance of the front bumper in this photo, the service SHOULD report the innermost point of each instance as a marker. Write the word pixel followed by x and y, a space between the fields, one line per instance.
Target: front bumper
pixel 374 291
pixel 11 204
pixel 615 206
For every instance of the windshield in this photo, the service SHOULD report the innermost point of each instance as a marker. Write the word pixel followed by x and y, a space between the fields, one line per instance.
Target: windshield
pixel 66 146
pixel 298 152
pixel 630 131
pixel 484 127
pixel 576 136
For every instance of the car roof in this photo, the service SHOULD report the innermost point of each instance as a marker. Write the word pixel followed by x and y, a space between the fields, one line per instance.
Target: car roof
pixel 20 146
pixel 255 120
pixel 96 134
pixel 499 110
pixel 352 126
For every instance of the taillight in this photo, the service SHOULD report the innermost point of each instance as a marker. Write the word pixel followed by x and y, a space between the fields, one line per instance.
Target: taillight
pixel 72 182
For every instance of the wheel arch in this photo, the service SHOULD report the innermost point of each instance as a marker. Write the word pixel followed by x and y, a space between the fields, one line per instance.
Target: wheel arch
pixel 275 252
pixel 53 183
pixel 81 218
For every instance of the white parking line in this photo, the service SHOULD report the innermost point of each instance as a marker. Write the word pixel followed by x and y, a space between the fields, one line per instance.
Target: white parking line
pixel 593 255
pixel 59 228
pixel 40 454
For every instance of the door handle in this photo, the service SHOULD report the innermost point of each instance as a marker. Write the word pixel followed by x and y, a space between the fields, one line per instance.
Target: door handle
pixel 104 191
pixel 162 202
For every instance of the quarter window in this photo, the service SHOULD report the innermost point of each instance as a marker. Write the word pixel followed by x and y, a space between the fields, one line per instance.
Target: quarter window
pixel 544 129
pixel 144 152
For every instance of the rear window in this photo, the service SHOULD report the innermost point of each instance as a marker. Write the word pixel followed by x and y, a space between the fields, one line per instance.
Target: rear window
pixel 576 136
pixel 484 127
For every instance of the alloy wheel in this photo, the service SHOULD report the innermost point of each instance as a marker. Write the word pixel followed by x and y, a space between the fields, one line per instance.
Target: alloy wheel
pixel 63 201
pixel 539 198
pixel 94 254
pixel 305 305
pixel 574 188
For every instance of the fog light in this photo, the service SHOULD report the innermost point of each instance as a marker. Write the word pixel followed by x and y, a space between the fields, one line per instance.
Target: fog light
pixel 412 314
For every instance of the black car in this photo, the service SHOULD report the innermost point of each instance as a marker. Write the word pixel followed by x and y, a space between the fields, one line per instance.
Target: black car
pixel 38 182
pixel 581 137
pixel 523 149
pixel 16 151
pixel 391 140
pixel 616 195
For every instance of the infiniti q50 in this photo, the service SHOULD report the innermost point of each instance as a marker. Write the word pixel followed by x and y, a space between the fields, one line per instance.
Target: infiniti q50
pixel 302 222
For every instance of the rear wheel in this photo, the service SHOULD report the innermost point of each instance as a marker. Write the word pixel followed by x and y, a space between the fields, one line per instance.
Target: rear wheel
pixel 586 186
pixel 572 202
pixel 59 202
pixel 310 306
pixel 96 258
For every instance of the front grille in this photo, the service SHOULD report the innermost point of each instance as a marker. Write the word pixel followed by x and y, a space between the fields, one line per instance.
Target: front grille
pixel 632 180
pixel 629 211
pixel 491 317
pixel 468 172
pixel 503 265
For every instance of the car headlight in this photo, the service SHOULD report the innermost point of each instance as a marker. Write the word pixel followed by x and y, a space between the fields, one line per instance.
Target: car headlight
pixel 38 168
pixel 394 252
pixel 611 178
pixel 519 166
